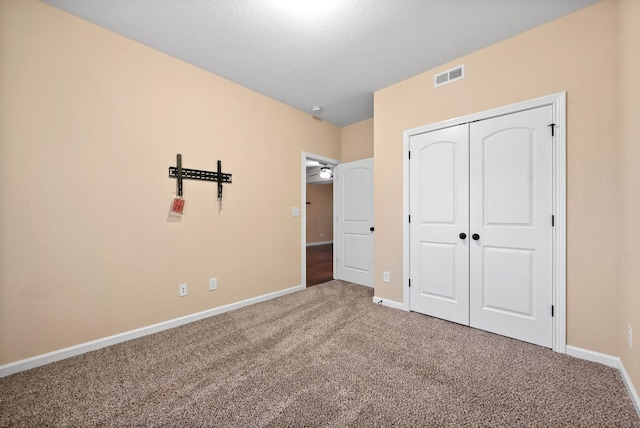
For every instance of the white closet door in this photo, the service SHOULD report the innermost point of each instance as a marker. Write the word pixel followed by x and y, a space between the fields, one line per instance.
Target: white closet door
pixel 511 205
pixel 439 200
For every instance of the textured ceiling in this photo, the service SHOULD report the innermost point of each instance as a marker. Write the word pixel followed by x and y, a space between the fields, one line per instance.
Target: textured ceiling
pixel 334 55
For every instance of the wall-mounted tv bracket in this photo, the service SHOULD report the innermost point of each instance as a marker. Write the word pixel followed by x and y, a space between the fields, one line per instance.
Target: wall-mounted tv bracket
pixel 181 173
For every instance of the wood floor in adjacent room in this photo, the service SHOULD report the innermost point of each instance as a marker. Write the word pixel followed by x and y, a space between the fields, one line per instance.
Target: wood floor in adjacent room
pixel 319 264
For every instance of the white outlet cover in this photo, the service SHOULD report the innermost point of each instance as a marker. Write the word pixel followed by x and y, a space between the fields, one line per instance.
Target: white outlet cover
pixel 182 290
pixel 213 284
pixel 295 211
pixel 386 277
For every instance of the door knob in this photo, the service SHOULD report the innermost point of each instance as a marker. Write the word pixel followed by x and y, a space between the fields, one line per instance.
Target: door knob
pixel 463 236
pixel 475 236
pixel 371 228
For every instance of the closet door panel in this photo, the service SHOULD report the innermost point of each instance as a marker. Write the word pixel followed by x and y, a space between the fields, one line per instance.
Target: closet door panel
pixel 511 206
pixel 439 200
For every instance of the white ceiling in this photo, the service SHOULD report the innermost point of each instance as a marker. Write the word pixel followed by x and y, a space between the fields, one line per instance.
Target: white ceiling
pixel 334 56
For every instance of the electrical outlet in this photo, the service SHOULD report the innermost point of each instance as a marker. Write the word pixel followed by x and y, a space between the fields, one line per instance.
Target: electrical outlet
pixel 182 290
pixel 386 277
pixel 629 336
pixel 213 284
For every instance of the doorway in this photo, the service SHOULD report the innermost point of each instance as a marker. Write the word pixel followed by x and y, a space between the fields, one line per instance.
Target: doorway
pixel 317 218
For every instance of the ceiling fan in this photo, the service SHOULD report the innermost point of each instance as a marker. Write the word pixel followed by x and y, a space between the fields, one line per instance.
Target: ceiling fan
pixel 325 173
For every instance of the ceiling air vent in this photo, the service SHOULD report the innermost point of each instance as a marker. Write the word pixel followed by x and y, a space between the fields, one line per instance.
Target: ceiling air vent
pixel 448 76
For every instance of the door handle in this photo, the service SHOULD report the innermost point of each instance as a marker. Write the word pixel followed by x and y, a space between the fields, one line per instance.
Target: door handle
pixel 475 236
pixel 463 236
pixel 371 228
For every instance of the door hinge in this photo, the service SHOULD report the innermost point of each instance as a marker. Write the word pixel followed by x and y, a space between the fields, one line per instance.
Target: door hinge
pixel 409 154
pixel 553 221
pixel 553 129
pixel 409 282
pixel 409 218
pixel 552 311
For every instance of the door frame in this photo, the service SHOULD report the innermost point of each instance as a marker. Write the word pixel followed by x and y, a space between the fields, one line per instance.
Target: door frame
pixel 558 103
pixel 303 208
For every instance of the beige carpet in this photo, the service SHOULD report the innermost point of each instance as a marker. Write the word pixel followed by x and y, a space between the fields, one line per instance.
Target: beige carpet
pixel 326 356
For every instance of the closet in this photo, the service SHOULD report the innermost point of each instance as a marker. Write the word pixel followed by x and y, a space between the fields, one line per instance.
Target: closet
pixel 481 224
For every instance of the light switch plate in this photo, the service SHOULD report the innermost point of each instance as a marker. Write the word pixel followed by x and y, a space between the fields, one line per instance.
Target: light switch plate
pixel 295 211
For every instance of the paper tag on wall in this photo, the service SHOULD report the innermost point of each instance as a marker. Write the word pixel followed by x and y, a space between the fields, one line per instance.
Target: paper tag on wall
pixel 178 205
pixel 173 216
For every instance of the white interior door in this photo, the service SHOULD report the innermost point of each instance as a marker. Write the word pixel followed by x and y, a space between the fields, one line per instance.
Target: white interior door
pixel 439 226
pixel 511 207
pixel 353 231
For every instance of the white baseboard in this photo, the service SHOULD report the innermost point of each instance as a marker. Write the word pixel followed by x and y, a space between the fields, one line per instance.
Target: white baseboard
pixel 313 244
pixel 389 303
pixel 635 399
pixel 611 361
pixel 596 357
pixel 61 354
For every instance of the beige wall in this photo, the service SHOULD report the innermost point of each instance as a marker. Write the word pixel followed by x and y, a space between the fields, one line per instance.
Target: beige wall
pixel 577 54
pixel 319 212
pixel 89 124
pixel 629 15
pixel 357 141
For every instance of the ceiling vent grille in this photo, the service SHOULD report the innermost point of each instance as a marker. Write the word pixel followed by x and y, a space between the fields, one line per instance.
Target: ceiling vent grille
pixel 448 76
